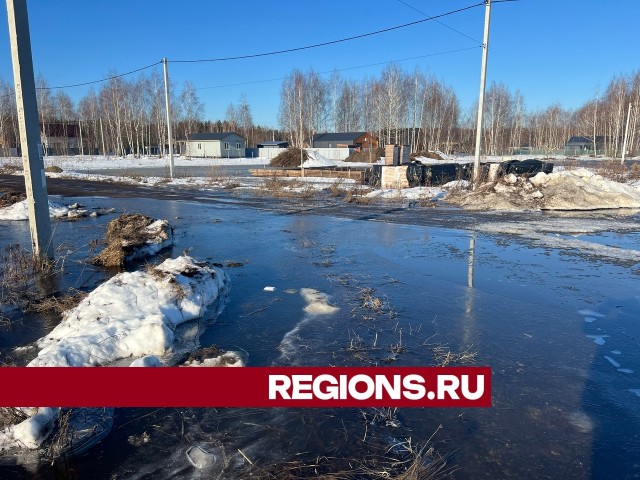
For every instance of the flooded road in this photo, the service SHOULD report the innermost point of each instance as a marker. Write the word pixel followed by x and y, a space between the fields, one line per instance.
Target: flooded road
pixel 559 329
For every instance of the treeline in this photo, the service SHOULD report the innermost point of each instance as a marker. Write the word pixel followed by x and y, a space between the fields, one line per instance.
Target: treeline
pixel 124 116
pixel 127 115
pixel 422 111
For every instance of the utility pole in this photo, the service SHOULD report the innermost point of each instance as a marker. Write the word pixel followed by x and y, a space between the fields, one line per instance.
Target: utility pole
pixel 483 81
pixel 34 177
pixel 626 135
pixel 166 101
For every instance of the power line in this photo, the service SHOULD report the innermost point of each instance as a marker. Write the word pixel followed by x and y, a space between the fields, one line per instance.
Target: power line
pixel 438 21
pixel 341 69
pixel 101 80
pixel 331 42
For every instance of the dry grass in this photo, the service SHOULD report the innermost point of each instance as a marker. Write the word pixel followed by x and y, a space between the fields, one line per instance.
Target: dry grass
pixel 406 462
pixel 366 156
pixel 11 416
pixel 18 267
pixel 289 158
pixel 444 356
pixel 124 234
pixel 53 169
pixel 57 304
pixel 617 171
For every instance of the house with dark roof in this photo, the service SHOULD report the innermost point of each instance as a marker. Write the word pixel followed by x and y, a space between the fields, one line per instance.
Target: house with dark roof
pixel 344 139
pixel 584 145
pixel 214 145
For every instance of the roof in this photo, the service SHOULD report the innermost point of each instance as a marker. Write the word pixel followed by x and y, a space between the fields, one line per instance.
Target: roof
pixel 584 140
pixel 274 143
pixel 210 136
pixel 346 137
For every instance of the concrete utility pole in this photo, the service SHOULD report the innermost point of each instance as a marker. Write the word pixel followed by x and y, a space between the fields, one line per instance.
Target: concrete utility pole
pixel 34 178
pixel 626 135
pixel 166 101
pixel 483 81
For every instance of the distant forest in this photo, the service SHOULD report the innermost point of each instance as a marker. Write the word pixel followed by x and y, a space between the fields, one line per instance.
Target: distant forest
pixel 412 108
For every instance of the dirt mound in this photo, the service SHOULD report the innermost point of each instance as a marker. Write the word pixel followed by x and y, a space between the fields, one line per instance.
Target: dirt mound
pixel 289 158
pixel 53 169
pixel 426 154
pixel 365 156
pixel 133 235
pixel 10 197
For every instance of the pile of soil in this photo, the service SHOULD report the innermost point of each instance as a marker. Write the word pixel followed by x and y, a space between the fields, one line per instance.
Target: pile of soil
pixel 289 158
pixel 124 235
pixel 426 154
pixel 365 156
pixel 9 197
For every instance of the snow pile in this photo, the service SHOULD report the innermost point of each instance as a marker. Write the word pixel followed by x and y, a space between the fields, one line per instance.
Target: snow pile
pixel 20 211
pixel 31 432
pixel 409 194
pixel 132 236
pixel 316 160
pixel 132 315
pixel 578 189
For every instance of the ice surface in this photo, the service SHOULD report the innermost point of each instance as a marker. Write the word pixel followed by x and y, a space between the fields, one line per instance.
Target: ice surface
pixel 598 339
pixel 199 457
pixel 590 313
pixel 612 361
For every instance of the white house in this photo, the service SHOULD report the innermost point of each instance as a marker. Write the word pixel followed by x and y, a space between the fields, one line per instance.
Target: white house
pixel 214 145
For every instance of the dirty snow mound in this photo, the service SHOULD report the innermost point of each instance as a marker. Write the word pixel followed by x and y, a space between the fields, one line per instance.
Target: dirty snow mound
pixel 578 189
pixel 132 236
pixel 132 315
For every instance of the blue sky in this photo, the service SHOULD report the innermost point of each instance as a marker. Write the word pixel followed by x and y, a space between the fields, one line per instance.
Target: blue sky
pixel 551 50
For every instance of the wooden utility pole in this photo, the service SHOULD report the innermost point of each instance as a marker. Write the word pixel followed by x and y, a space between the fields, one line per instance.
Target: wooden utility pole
pixel 166 100
pixel 483 81
pixel 34 177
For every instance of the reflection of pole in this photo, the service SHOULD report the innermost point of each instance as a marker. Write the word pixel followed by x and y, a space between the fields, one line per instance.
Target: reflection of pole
pixel 472 254
pixel 34 178
pixel 626 135
pixel 469 325
pixel 483 81
pixel 166 101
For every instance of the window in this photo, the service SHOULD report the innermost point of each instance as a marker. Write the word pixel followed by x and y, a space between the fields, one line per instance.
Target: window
pixel 226 145
pixel 238 146
pixel 199 146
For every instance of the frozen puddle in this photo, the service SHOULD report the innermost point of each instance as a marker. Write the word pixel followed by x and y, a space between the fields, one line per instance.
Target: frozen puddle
pixel 199 457
pixel 612 361
pixel 317 305
pixel 598 339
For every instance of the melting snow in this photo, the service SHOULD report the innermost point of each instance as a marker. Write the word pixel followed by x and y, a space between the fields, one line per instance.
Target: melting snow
pixel 20 211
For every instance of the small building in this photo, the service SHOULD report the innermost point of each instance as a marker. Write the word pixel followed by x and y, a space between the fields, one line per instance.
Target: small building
pixel 60 138
pixel 344 139
pixel 214 145
pixel 273 144
pixel 584 146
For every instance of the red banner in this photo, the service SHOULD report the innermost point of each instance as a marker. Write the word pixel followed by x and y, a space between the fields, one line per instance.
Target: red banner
pixel 245 387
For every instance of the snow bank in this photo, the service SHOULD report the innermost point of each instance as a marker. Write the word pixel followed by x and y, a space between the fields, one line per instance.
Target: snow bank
pixel 20 211
pixel 578 189
pixel 415 193
pixel 316 160
pixel 31 432
pixel 132 315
